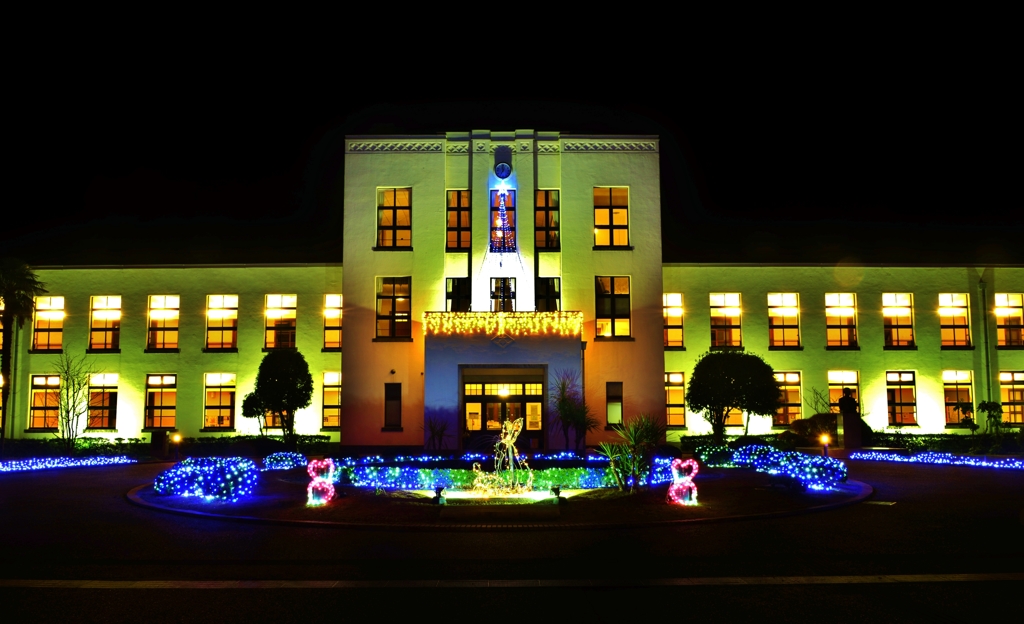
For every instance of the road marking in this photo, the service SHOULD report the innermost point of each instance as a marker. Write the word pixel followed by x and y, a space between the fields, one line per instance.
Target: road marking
pixel 515 583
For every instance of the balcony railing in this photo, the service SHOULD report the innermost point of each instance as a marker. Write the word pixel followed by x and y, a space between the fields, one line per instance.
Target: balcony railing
pixel 502 323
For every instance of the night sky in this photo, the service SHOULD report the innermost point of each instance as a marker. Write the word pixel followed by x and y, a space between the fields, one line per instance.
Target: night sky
pixel 180 170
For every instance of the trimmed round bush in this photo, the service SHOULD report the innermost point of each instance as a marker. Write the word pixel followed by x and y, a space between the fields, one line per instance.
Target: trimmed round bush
pixel 284 461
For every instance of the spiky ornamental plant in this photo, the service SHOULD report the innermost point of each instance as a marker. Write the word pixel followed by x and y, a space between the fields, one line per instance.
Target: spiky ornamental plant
pixel 19 287
pixel 726 380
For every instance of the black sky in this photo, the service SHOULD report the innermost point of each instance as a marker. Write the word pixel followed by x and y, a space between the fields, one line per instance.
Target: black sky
pixel 905 166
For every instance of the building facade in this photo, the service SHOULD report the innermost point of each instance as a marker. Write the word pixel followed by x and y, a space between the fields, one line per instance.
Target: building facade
pixel 480 267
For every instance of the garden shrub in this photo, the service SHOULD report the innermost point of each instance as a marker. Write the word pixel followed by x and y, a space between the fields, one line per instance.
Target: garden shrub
pixel 284 461
pixel 714 456
pixel 221 478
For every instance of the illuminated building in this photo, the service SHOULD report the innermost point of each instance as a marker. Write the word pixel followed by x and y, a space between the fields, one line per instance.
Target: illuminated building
pixel 477 265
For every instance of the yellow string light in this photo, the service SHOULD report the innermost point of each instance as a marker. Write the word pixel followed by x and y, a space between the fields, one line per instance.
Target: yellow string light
pixel 503 323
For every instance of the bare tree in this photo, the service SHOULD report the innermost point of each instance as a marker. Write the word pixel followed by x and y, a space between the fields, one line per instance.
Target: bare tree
pixel 72 398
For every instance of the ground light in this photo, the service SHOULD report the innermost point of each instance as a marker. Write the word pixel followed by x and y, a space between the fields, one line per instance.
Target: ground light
pixel 825 439
pixel 177 445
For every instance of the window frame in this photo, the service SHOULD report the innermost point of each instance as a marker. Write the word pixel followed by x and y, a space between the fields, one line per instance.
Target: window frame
pixel 894 323
pixel 506 298
pixel 542 292
pixel 679 384
pixel 463 228
pixel 100 383
pixel 53 317
pixel 157 328
pixel 547 220
pixel 230 314
pixel 613 393
pixel 394 318
pixel 220 387
pixel 668 305
pixel 841 383
pixel 898 384
pixel 610 228
pixel 108 329
pixel 721 326
pixel 1011 396
pixel 458 294
pixel 613 317
pixel 947 304
pixel 393 228
pixel 960 381
pixel 787 308
pixel 151 406
pixel 286 325
pixel 1009 307
pixel 333 317
pixel 784 414
pixel 846 332
pixel 497 243
pixel 331 382
pixel 41 415
pixel 392 407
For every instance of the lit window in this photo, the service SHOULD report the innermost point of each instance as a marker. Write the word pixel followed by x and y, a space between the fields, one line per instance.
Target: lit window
pixel 954 321
pixel 474 420
pixel 533 389
pixel 548 294
pixel 503 389
pixel 1011 395
pixel 613 402
pixel 332 400
pixel 546 223
pixel 458 294
pixel 841 319
pixel 105 325
pixel 783 320
pixel 1009 319
pixel 956 386
pixel 503 235
pixel 459 234
pixel 612 307
pixel 44 411
pixel 103 401
pixel 48 326
pixel 221 321
pixel 611 216
pixel 394 218
pixel 672 312
pixel 280 327
pixel 393 406
pixel 898 311
pixel 789 399
pixel 901 396
pixel 838 380
pixel 474 389
pixel 163 322
pixel 725 320
pixel 161 401
pixel 503 294
pixel 219 412
pixel 394 307
pixel 675 403
pixel 332 322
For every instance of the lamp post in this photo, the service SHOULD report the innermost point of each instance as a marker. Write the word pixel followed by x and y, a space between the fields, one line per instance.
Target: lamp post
pixel 177 444
pixel 825 439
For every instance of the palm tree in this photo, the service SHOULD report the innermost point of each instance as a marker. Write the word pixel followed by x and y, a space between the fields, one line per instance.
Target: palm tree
pixel 18 289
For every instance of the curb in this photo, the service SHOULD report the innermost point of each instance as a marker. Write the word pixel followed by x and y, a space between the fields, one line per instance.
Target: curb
pixel 864 491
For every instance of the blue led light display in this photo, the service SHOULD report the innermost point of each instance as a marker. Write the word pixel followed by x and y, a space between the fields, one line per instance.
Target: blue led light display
pixel 50 463
pixel 947 459
pixel 284 461
pixel 811 471
pixel 211 478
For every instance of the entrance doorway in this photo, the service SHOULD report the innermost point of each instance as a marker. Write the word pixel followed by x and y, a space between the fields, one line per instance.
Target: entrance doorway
pixel 491 396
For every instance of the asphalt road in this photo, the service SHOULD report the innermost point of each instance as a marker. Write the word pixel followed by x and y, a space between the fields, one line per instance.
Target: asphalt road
pixel 74 525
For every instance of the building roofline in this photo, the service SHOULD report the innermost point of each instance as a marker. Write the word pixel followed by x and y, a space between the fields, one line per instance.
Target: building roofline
pixel 52 267
pixel 885 265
